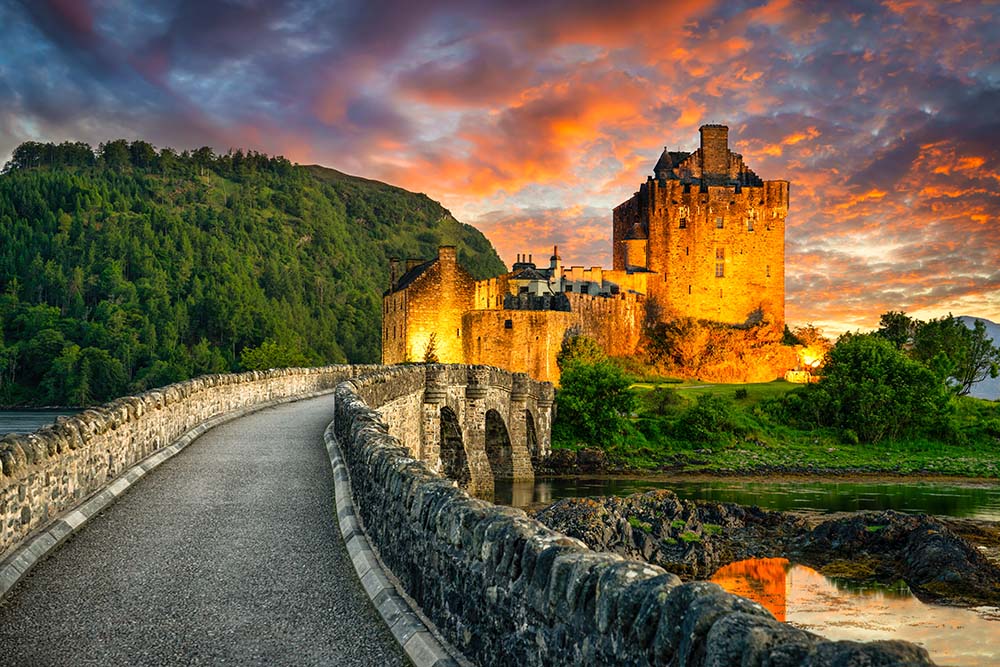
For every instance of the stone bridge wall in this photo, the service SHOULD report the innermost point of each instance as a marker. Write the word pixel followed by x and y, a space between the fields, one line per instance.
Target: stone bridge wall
pixel 50 471
pixel 506 590
pixel 410 399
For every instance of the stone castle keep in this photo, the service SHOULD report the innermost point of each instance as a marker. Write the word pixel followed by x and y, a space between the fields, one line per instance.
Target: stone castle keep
pixel 704 237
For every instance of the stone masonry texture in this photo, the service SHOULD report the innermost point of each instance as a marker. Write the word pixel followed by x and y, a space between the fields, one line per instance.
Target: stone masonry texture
pixel 506 590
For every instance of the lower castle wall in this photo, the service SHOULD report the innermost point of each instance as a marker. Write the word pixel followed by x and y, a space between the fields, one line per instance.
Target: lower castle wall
pixel 48 472
pixel 614 322
pixel 506 590
pixel 528 345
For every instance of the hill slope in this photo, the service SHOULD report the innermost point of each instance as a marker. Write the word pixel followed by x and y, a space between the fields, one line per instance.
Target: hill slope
pixel 129 268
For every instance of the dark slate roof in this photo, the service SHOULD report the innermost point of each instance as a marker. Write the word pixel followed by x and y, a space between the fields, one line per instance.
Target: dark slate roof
pixel 529 274
pixel 407 279
pixel 665 162
pixel 668 160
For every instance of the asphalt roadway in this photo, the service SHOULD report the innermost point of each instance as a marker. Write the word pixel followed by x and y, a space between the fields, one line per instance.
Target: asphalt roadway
pixel 227 554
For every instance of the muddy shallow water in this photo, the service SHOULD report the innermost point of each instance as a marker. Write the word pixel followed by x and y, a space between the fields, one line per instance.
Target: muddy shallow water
pixel 803 597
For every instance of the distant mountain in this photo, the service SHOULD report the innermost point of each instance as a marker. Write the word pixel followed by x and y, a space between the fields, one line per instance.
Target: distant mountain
pixel 129 267
pixel 990 387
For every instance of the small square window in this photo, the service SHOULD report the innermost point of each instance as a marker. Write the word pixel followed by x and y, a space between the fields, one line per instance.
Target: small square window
pixel 508 324
pixel 718 222
pixel 683 223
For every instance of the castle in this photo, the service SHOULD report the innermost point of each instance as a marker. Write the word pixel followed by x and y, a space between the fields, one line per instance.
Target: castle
pixel 704 237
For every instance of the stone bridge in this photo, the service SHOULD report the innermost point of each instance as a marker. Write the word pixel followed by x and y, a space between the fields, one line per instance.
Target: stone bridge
pixel 229 551
pixel 472 424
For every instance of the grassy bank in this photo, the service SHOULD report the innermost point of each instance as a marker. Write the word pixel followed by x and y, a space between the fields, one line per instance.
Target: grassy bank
pixel 735 432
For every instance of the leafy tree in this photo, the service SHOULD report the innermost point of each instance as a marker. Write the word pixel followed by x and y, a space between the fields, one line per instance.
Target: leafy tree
pixel 430 351
pixel 593 402
pixel 953 351
pixel 876 391
pixel 897 327
pixel 115 154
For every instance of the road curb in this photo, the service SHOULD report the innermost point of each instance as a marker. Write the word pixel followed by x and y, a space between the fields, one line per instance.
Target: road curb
pixel 19 563
pixel 415 633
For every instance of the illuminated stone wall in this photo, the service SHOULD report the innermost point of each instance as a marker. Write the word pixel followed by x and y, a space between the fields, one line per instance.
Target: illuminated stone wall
pixel 615 322
pixel 715 225
pixel 523 341
pixel 432 304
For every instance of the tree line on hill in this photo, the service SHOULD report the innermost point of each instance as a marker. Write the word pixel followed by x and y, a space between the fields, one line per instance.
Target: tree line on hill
pixel 127 267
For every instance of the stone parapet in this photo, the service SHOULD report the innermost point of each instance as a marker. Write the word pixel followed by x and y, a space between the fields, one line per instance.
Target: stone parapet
pixel 506 590
pixel 46 473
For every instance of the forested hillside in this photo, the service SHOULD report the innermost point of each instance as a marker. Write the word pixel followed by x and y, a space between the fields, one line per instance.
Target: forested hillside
pixel 128 268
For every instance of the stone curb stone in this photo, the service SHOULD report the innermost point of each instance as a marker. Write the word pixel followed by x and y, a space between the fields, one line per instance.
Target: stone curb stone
pixel 416 635
pixel 34 549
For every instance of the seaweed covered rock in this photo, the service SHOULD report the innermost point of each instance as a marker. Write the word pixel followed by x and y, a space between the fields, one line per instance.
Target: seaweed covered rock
pixel 693 539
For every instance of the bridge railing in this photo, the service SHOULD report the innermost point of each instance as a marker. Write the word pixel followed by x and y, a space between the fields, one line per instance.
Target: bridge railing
pixel 507 590
pixel 48 472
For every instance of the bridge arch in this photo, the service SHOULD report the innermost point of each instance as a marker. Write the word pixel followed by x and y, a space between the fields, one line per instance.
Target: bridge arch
pixel 454 459
pixel 499 451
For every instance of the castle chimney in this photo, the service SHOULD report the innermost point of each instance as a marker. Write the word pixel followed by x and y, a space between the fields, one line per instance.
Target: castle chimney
pixel 393 272
pixel 447 254
pixel 529 259
pixel 714 150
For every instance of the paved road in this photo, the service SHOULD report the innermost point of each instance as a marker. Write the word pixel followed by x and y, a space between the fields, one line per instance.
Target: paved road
pixel 229 553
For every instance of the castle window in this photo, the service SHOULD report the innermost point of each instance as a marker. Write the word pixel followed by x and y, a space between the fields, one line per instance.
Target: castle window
pixel 683 223
pixel 720 262
pixel 569 288
pixel 767 270
pixel 689 289
pixel 458 333
pixel 718 222
pixel 508 324
pixel 749 224
pixel 687 251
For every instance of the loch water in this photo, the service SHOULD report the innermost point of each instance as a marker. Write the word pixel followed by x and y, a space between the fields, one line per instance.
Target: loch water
pixel 970 500
pixel 26 421
pixel 838 610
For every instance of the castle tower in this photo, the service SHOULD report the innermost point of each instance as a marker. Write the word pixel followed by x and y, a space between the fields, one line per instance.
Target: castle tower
pixel 712 229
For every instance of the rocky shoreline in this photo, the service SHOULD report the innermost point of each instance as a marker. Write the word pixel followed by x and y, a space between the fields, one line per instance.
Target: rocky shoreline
pixel 945 561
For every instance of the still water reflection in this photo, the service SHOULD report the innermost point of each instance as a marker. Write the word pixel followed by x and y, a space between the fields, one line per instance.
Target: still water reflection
pixel 27 421
pixel 806 599
pixel 980 501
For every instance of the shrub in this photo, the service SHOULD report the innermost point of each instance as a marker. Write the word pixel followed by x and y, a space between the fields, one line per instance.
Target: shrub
pixel 709 419
pixel 663 401
pixel 593 403
pixel 875 390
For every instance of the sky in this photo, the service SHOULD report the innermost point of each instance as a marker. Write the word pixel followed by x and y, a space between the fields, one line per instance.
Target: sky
pixel 532 119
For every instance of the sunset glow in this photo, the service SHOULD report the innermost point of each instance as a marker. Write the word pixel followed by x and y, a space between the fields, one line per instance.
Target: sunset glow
pixel 531 120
